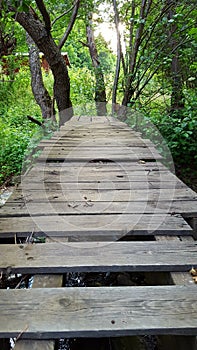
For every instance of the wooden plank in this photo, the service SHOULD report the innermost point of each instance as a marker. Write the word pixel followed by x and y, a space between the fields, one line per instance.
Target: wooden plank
pixel 133 141
pixel 188 208
pixel 85 131
pixel 98 257
pixel 98 144
pixel 35 345
pixel 97 175
pixel 145 166
pixel 101 226
pixel 60 195
pixel 102 185
pixel 84 154
pixel 56 149
pixel 107 311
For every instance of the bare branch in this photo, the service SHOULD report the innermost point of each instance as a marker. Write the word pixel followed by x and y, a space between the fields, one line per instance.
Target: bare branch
pixel 62 15
pixel 70 25
pixel 84 44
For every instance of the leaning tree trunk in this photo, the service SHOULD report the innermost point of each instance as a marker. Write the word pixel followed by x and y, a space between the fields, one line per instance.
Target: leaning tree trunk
pixel 118 58
pixel 41 94
pixel 100 93
pixel 177 96
pixel 134 43
pixel 46 44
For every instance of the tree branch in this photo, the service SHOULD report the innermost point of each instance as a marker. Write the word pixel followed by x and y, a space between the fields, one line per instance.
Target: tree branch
pixel 62 15
pixel 45 15
pixel 84 44
pixel 33 120
pixel 70 25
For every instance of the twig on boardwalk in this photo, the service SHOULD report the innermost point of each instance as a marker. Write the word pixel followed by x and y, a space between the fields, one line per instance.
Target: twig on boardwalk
pixel 21 333
pixel 19 283
pixel 29 238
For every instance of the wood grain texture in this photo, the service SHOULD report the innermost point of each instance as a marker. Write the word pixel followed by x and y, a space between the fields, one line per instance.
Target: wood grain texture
pixel 98 257
pixel 101 165
pixel 186 207
pixel 103 195
pixel 35 345
pixel 97 175
pixel 107 311
pixel 114 226
pixel 89 156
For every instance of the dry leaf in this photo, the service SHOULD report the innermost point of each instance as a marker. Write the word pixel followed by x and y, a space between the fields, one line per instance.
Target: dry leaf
pixel 195 279
pixel 193 271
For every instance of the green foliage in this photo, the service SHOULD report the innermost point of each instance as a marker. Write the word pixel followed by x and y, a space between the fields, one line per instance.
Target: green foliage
pixel 15 130
pixel 180 131
pixel 21 5
pixel 14 141
pixel 82 86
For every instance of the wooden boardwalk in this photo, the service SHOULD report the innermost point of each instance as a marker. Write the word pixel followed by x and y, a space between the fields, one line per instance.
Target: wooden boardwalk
pixel 101 198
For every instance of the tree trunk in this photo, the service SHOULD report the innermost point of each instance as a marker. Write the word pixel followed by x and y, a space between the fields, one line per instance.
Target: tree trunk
pixel 134 44
pixel 100 93
pixel 46 44
pixel 177 96
pixel 41 94
pixel 118 58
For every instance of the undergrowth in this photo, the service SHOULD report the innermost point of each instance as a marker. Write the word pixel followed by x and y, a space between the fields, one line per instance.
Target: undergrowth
pixel 16 131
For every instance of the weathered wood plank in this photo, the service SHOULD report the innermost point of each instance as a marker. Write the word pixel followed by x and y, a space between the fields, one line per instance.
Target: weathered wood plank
pixel 145 166
pixel 101 185
pixel 80 154
pixel 98 257
pixel 98 312
pixel 103 195
pixel 71 138
pixel 96 175
pixel 188 208
pixel 35 345
pixel 56 149
pixel 114 226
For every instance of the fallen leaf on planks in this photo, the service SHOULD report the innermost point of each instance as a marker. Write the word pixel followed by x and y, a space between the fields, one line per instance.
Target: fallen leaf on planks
pixel 194 279
pixel 193 272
